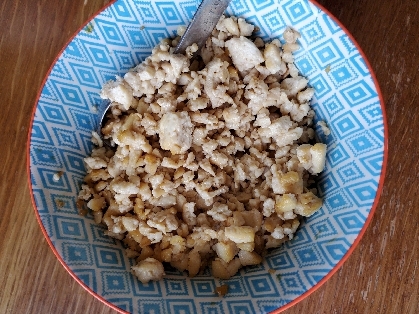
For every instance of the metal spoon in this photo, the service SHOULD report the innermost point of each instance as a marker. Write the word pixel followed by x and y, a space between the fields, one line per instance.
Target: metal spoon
pixel 198 30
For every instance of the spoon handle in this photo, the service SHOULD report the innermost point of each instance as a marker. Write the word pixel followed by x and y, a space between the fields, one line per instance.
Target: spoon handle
pixel 202 24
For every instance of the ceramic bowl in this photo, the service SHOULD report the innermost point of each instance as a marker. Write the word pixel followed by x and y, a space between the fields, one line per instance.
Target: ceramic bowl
pixel 347 97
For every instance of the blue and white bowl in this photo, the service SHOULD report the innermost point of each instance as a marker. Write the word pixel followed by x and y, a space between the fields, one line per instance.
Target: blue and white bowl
pixel 347 97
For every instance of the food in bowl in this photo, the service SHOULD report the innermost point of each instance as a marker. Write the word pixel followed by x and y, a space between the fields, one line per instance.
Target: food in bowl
pixel 212 160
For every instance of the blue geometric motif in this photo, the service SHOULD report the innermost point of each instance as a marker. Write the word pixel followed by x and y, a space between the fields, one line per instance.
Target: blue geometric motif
pixel 107 257
pixel 211 308
pixel 334 249
pixel 189 8
pixel 70 229
pixel 300 238
pixel 46 156
pixel 98 233
pixel 371 113
pixel 274 20
pixel 88 276
pixel 326 53
pixel 359 64
pixel 350 172
pixel 320 85
pixel 70 94
pixel 157 34
pixel 268 306
pixel 63 203
pixel 111 33
pixel 308 256
pixel 39 133
pixel 351 222
pixel 323 228
pixel 40 201
pixel 83 120
pixel 180 306
pixel 254 268
pixel 337 202
pixel 291 283
pixel 333 105
pixel 346 124
pixel 150 289
pixel 86 141
pixel 305 64
pixel 151 306
pixel 260 4
pixel 48 179
pixel 203 288
pixel 85 75
pixel 347 43
pixel 114 282
pixel 363 193
pixel 137 38
pixel 73 162
pixel 75 52
pixel 342 73
pixel 124 34
pixel 378 132
pixel 261 286
pixel 238 8
pixel 76 181
pixel 124 13
pixel 297 11
pixel 98 54
pixel 176 287
pixel 337 155
pixel 262 32
pixel 312 32
pixel 314 276
pixel 123 303
pixel 146 12
pixel 280 261
pixel 170 13
pixel 53 114
pixel 77 254
pixel 236 287
pixel 241 307
pixel 373 163
pixel 327 184
pixel 362 143
pixel 66 138
pixel 358 93
pixel 125 60
pixel 332 26
pixel 60 71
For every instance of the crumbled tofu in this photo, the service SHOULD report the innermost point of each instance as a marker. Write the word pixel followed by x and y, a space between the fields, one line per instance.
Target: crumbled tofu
pixel 149 269
pixel 273 60
pixel 175 131
pixel 244 53
pixel 240 234
pixel 225 250
pixel 246 29
pixel 324 127
pixel 119 92
pixel 212 159
pixel 312 158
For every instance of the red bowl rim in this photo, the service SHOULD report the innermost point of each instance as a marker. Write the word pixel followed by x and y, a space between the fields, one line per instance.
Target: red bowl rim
pixel 309 291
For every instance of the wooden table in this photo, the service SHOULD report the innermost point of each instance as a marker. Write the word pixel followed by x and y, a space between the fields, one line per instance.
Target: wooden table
pixel 381 276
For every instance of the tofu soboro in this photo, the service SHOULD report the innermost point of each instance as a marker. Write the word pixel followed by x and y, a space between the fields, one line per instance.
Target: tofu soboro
pixel 213 158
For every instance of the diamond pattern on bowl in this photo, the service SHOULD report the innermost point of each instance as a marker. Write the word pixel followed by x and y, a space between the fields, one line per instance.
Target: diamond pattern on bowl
pixel 123 35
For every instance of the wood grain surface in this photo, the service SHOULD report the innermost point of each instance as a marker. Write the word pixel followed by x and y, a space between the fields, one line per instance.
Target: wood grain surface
pixel 381 276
